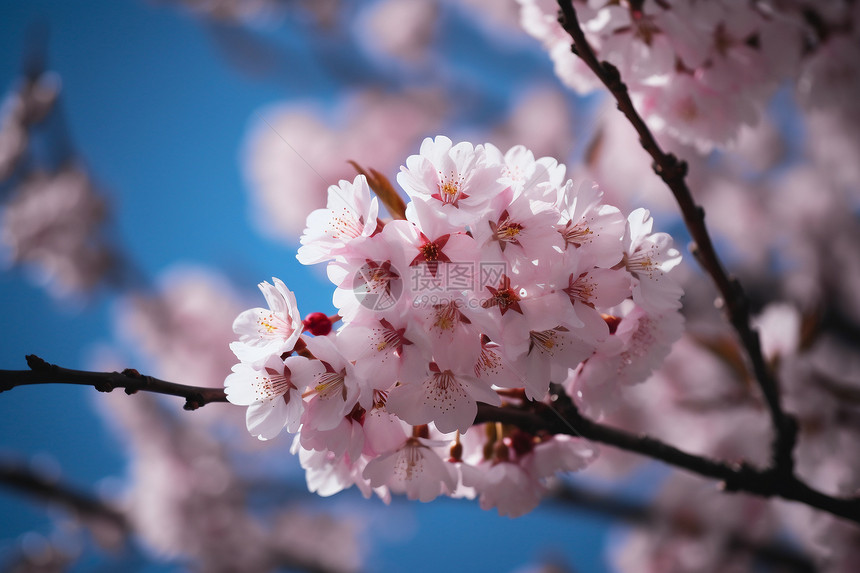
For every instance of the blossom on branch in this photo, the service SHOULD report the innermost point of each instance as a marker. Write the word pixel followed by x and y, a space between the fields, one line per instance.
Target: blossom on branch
pixel 502 279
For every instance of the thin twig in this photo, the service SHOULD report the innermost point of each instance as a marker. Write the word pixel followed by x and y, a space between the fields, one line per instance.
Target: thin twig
pixel 563 417
pixel 130 380
pixel 673 172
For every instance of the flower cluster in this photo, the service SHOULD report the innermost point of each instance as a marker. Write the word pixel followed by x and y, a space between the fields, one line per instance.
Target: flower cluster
pixel 499 278
pixel 698 71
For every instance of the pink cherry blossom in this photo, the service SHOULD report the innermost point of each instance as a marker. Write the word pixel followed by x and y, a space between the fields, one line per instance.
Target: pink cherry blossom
pixel 501 279
pixel 455 179
pixel 350 214
pixel 415 469
pixel 272 392
pixel 649 257
pixel 444 396
pixel 265 332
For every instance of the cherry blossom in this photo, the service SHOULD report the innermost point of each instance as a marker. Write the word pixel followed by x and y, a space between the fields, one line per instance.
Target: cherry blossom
pixel 502 278
pixel 273 331
pixel 414 469
pixel 649 257
pixel 444 396
pixel 457 177
pixel 272 392
pixel 698 72
pixel 350 214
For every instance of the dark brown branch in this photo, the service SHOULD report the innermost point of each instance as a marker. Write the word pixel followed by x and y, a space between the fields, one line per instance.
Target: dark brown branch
pixel 24 479
pixel 673 172
pixel 533 417
pixel 130 380
pixel 563 417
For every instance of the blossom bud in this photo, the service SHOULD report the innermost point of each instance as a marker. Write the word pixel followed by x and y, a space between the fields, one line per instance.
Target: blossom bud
pixel 317 324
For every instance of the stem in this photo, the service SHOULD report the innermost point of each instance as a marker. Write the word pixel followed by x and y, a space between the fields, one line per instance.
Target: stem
pixel 131 380
pixel 673 173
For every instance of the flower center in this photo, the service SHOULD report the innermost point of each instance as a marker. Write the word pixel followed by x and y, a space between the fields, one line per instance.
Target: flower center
pixel 546 341
pixel 449 190
pixel 430 251
pixel 580 289
pixel 575 235
pixel 330 384
pixel 344 224
pixel 503 298
pixel 641 262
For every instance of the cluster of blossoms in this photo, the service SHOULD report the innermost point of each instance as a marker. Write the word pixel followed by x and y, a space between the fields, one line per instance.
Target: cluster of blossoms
pixel 694 69
pixel 52 222
pixel 496 279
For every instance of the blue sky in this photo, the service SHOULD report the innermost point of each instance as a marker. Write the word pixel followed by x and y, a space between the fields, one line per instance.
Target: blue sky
pixel 158 115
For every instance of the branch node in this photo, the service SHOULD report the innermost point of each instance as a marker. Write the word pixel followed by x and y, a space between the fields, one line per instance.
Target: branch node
pixel 38 364
pixel 103 385
pixel 612 77
pixel 786 440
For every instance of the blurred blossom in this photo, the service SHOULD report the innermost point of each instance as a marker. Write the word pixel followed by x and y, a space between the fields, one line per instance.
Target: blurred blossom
pixel 819 243
pixel 186 328
pixel 231 11
pixel 330 541
pixel 183 499
pixel 184 331
pixel 401 29
pixel 35 554
pixel 779 330
pixel 698 532
pixel 504 15
pixel 24 106
pixel 696 74
pixel 830 78
pixel 52 224
pixel 719 418
pixel 759 147
pixel 736 210
pixel 833 142
pixel 292 154
pixel 259 12
pixel 616 160
pixel 186 501
pixel 541 121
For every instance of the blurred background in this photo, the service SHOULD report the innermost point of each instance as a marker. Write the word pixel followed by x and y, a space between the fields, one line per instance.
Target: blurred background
pixel 158 159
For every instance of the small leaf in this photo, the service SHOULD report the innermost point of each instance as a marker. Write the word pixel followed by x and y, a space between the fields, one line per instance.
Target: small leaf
pixel 384 190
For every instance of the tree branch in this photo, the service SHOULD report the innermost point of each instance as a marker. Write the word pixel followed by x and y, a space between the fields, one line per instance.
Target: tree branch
pixel 563 417
pixel 673 172
pixel 130 380
pixel 21 478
